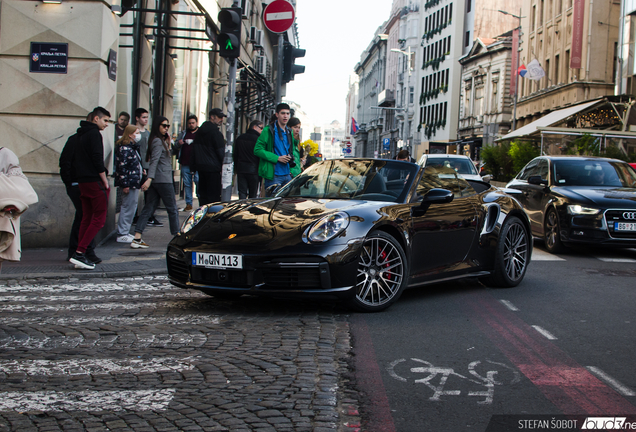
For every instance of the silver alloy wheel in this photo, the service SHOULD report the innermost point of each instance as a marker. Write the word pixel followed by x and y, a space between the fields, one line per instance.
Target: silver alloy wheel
pixel 515 257
pixel 380 272
pixel 552 230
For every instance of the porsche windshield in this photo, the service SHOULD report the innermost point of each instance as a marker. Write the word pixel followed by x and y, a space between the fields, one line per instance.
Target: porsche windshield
pixel 369 179
pixel 593 173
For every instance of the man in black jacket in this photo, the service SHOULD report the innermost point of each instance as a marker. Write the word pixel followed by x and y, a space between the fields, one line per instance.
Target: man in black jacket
pixel 72 190
pixel 88 165
pixel 246 162
pixel 207 158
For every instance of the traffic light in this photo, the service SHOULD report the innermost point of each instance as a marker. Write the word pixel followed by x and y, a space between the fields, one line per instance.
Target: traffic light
pixel 230 36
pixel 290 53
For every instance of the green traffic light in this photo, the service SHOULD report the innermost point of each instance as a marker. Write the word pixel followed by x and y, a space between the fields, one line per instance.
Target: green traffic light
pixel 228 44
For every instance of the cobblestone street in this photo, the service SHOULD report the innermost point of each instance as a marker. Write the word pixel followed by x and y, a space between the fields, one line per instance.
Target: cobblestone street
pixel 139 354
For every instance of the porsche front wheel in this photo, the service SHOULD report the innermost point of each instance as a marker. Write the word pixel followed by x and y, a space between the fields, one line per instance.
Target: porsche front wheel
pixel 382 273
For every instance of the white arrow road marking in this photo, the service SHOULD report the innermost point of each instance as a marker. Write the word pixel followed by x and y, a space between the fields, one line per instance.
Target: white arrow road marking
pixel 94 366
pixel 279 16
pixel 117 400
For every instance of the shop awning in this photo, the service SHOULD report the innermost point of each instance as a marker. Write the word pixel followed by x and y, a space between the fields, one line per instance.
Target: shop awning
pixel 551 119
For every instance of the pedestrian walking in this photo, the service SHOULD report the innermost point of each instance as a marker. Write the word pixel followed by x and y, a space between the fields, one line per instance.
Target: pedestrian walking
pixel 294 125
pixel 88 163
pixel 16 195
pixel 141 118
pixel 122 121
pixel 160 182
pixel 208 154
pixel 127 178
pixel 276 150
pixel 67 173
pixel 184 148
pixel 246 162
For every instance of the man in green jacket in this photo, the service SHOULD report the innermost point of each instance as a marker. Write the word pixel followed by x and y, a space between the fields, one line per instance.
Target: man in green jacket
pixel 277 150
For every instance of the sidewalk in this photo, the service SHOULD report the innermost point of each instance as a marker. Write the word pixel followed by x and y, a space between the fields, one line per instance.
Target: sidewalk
pixel 119 259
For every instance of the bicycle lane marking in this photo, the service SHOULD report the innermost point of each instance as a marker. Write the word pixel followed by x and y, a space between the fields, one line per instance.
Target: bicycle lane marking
pixel 368 377
pixel 568 385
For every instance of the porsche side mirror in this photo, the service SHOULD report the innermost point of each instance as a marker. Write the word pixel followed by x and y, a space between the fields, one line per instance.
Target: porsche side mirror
pixel 487 178
pixel 537 180
pixel 437 196
pixel 271 190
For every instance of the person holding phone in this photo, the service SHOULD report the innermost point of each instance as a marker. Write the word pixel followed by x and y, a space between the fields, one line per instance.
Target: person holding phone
pixel 183 151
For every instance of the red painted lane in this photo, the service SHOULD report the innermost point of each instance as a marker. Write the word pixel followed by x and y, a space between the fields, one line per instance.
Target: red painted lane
pixel 369 379
pixel 568 385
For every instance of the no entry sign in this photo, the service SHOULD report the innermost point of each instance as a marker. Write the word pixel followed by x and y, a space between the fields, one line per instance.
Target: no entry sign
pixel 279 16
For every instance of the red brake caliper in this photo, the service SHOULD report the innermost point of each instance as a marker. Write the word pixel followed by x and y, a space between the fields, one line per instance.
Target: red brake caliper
pixel 383 256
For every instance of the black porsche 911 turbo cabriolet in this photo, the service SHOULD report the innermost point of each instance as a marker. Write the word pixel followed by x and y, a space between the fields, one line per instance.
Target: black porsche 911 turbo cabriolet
pixel 357 230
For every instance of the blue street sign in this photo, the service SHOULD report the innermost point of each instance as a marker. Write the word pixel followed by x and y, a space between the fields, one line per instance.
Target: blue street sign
pixel 386 143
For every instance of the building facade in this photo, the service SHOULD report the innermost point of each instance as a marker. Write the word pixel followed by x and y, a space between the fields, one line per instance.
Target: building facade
pixel 448 29
pixel 371 72
pixel 486 103
pixel 576 43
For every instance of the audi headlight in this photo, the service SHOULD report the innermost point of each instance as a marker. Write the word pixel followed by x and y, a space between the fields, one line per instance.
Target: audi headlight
pixel 580 210
pixel 194 219
pixel 328 227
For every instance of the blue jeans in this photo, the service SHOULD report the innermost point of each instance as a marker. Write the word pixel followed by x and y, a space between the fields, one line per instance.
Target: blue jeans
pixel 188 178
pixel 278 179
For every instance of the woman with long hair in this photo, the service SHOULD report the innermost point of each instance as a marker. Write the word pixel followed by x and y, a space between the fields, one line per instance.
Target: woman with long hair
pixel 128 179
pixel 294 125
pixel 160 182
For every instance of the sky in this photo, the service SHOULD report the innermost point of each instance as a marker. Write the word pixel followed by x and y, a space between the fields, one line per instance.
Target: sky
pixel 334 33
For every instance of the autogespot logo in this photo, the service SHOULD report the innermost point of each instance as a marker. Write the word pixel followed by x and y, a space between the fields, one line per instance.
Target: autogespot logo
pixel 629 215
pixel 604 423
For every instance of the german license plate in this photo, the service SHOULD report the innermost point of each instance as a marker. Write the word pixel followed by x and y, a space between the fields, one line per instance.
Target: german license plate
pixel 214 260
pixel 624 226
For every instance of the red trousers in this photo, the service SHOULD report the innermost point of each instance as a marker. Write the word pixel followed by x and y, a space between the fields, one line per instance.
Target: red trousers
pixel 94 207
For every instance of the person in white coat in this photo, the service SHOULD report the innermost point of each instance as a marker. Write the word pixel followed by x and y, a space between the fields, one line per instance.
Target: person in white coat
pixel 16 195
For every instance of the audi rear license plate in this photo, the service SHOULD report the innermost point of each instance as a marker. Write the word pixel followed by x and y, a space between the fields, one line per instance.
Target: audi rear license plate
pixel 624 226
pixel 219 261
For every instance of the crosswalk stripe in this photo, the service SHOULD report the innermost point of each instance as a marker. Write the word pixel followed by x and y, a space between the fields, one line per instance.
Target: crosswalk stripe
pixel 113 320
pixel 139 341
pixel 94 366
pixel 115 400
pixel 541 255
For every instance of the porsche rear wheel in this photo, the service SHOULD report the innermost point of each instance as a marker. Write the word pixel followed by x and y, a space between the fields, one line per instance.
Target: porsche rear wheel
pixel 552 240
pixel 382 273
pixel 512 255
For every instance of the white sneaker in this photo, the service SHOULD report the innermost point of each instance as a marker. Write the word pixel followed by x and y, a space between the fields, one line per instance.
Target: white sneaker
pixel 128 238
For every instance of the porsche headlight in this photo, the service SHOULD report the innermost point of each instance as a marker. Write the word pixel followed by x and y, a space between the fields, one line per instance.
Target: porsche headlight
pixel 194 219
pixel 328 227
pixel 580 210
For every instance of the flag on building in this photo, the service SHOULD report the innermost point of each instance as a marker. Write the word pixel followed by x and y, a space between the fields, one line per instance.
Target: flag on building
pixel 354 126
pixel 533 71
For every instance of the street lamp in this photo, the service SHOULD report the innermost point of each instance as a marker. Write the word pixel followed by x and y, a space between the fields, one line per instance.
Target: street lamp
pixel 516 69
pixel 408 84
